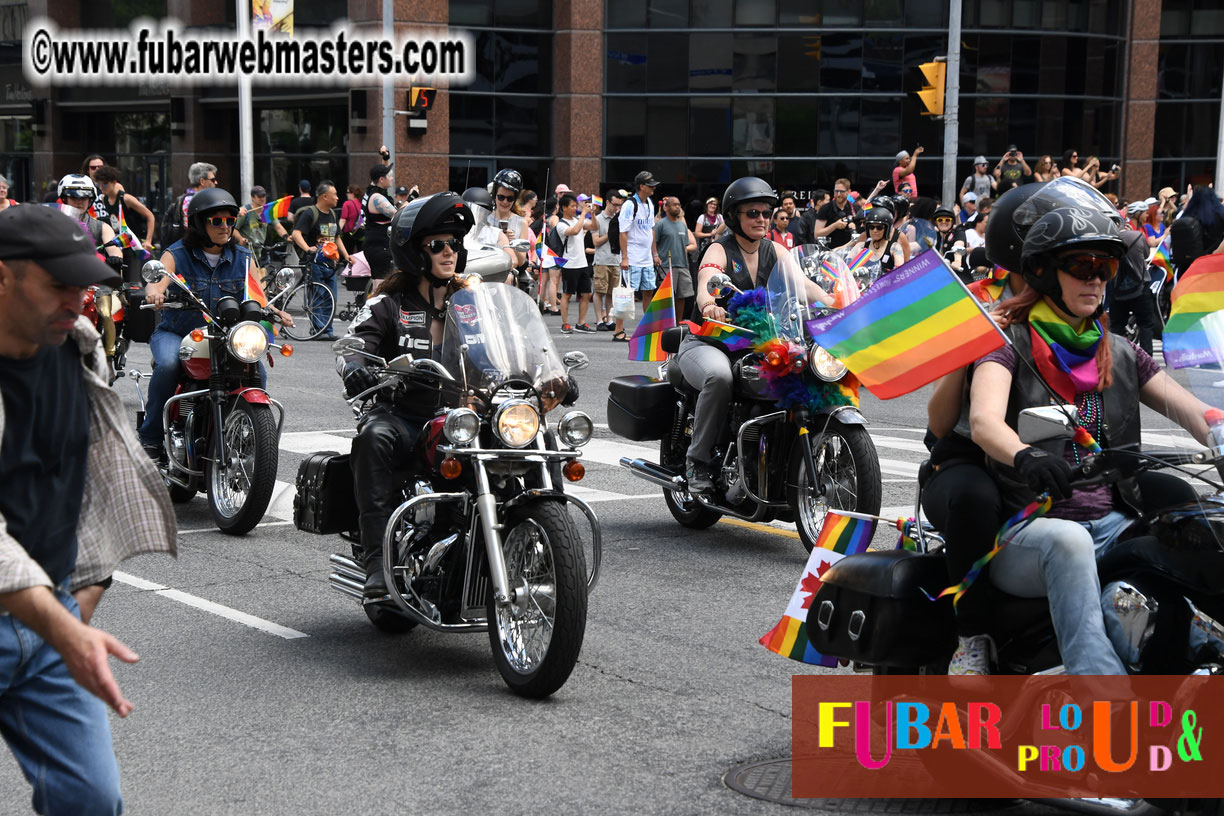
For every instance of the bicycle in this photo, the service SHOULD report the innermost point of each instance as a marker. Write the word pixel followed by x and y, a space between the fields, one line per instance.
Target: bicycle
pixel 310 302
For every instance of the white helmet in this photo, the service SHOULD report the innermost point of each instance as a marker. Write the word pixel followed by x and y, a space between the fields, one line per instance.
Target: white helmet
pixel 77 186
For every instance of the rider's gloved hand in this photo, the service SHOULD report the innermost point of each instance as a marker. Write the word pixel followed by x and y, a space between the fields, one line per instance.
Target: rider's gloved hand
pixel 358 380
pixel 571 392
pixel 115 262
pixel 1044 472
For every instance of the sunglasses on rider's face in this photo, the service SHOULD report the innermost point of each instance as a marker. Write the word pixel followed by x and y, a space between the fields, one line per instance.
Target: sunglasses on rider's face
pixel 875 226
pixel 436 246
pixel 222 220
pixel 754 213
pixel 944 220
pixel 509 198
pixel 1086 267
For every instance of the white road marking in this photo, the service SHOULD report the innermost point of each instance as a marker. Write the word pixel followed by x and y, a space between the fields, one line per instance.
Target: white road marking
pixel 309 442
pixel 211 607
pixel 214 529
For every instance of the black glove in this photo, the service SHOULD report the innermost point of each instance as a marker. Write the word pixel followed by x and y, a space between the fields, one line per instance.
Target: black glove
pixel 571 394
pixel 358 380
pixel 115 262
pixel 1044 472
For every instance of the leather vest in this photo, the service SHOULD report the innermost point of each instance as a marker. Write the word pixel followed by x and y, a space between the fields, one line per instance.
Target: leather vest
pixel 737 267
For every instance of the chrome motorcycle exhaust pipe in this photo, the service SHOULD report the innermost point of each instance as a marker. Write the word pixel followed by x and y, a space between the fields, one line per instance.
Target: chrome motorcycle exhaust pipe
pixel 656 474
pixel 347 567
pixel 346 585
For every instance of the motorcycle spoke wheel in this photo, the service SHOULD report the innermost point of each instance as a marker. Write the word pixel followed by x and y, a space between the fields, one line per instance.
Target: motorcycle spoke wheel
pixel 680 503
pixel 536 638
pixel 240 487
pixel 847 478
pixel 312 307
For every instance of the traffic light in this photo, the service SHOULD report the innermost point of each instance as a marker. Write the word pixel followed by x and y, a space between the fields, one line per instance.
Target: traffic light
pixel 932 94
pixel 421 99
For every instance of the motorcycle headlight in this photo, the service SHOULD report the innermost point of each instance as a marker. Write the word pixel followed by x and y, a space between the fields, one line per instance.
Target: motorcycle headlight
pixel 516 422
pixel 461 426
pixel 825 366
pixel 575 429
pixel 248 342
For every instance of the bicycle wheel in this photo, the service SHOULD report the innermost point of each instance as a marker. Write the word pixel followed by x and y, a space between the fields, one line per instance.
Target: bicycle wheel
pixel 312 307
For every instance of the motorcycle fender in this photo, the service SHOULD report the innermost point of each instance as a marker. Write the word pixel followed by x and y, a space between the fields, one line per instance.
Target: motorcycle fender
pixel 846 415
pixel 530 496
pixel 253 395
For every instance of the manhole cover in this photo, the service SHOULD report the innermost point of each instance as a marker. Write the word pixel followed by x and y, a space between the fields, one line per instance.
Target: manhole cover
pixel 771 780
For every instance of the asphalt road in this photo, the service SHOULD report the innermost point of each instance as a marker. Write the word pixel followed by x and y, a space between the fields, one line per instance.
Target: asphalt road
pixel 305 708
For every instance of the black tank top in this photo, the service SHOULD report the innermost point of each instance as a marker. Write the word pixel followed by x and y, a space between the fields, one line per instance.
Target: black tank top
pixel 376 223
pixel 737 267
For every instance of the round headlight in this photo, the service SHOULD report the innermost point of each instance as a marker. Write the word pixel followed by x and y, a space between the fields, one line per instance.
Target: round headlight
pixel 248 342
pixel 516 422
pixel 461 426
pixel 575 429
pixel 825 366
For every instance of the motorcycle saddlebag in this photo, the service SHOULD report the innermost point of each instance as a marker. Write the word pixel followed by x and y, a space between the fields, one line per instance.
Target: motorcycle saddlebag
pixel 324 502
pixel 870 607
pixel 138 323
pixel 640 407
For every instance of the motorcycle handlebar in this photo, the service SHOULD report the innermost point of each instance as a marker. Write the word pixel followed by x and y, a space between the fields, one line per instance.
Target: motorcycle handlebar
pixel 1110 466
pixel 169 304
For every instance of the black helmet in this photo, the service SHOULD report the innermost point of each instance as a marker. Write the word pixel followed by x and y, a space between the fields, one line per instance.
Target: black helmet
pixel 478 196
pixel 740 191
pixel 1016 212
pixel 884 201
pixel 943 212
pixel 1005 237
pixel 438 213
pixel 205 203
pixel 878 215
pixel 1060 229
pixel 510 179
pixel 901 205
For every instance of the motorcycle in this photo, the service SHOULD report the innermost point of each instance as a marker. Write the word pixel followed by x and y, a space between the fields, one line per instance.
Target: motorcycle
pixel 220 433
pixel 1163 599
pixel 794 444
pixel 483 541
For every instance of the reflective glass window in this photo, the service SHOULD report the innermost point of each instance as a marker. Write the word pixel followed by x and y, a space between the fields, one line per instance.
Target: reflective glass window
pixel 523 126
pixel 883 13
pixel 841 61
pixel 711 59
pixel 879 127
pixel 843 12
pixel 668 14
pixel 798 124
pixel 799 61
pixel 523 13
pixel 1186 129
pixel 837 131
pixel 927 13
pixel 996 13
pixel 626 63
pixel 625 126
pixel 711 13
pixel 667 126
pixel 121 15
pixel 471 123
pixel 756 12
pixel 752 126
pixel 710 126
pixel 755 62
pixel 1025 65
pixel 667 65
pixel 625 13
pixel 883 56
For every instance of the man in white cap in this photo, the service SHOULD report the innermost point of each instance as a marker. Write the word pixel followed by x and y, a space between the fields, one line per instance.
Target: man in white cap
pixel 981 183
pixel 968 207
pixel 903 173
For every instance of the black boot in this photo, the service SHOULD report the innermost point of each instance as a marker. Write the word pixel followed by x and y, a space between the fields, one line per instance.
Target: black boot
pixel 698 476
pixel 373 526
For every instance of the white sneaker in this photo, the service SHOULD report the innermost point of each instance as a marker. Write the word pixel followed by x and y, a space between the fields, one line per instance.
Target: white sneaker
pixel 1218 384
pixel 972 656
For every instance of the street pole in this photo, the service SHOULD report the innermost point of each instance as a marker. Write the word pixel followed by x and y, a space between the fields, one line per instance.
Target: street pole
pixel 388 86
pixel 1219 174
pixel 246 118
pixel 952 102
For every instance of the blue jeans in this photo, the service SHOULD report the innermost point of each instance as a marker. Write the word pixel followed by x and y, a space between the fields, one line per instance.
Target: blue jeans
pixel 326 276
pixel 1057 558
pixel 165 346
pixel 57 731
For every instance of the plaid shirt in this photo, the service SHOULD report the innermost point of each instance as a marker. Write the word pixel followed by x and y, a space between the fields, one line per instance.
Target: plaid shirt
pixel 125 510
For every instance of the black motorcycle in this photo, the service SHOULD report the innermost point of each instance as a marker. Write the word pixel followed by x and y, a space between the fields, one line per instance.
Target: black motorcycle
pixel 795 444
pixel 220 433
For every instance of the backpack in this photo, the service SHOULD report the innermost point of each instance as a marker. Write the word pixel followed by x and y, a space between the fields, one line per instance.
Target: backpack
pixel 1186 241
pixel 172 223
pixel 614 235
pixel 1132 269
pixel 555 240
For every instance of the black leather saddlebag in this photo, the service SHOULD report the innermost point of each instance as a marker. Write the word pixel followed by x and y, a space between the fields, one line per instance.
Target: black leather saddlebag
pixel 640 407
pixel 324 502
pixel 138 323
pixel 870 608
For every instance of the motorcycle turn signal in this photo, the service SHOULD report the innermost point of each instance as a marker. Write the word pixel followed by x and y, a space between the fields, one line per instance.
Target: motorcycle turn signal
pixel 450 468
pixel 286 350
pixel 574 470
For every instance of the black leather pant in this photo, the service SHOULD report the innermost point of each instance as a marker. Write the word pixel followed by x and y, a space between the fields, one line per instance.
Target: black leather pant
pixel 382 452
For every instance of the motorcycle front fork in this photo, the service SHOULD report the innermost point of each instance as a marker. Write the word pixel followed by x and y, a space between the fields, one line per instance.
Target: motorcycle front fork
pixel 486 506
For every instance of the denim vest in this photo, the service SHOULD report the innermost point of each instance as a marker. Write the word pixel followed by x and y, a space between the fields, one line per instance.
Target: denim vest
pixel 208 284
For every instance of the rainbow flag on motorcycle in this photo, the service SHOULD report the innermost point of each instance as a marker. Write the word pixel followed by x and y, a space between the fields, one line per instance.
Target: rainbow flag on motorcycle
pixel 734 338
pixel 1189 336
pixel 275 210
pixel 647 341
pixel 128 238
pixel 914 325
pixel 840 536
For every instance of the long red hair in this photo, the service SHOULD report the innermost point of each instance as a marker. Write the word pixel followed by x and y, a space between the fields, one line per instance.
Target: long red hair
pixel 1016 310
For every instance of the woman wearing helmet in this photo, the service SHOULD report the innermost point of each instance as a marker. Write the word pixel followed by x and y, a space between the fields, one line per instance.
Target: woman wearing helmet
pixel 745 255
pixel 214 266
pixel 881 240
pixel 1067 257
pixel 76 194
pixel 506 216
pixel 406 315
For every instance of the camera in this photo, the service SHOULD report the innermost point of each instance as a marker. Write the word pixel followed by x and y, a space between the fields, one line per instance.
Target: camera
pixel 1114 169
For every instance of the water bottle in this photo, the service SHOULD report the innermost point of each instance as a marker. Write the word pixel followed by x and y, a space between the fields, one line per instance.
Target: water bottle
pixel 1215 430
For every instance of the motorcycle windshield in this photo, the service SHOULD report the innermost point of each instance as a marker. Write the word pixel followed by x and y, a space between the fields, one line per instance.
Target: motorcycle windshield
pixel 789 295
pixel 828 270
pixel 495 335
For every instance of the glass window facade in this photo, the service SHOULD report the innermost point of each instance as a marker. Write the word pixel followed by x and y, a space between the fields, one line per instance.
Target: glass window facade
pixel 812 91
pixel 1188 77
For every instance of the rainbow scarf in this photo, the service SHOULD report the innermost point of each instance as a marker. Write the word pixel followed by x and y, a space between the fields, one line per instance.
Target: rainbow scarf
pixel 1066 358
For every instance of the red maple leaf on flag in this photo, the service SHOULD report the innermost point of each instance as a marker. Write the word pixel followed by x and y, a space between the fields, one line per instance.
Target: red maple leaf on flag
pixel 810 583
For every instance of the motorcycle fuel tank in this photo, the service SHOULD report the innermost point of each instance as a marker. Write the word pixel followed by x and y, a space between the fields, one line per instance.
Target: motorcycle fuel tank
pixel 196 357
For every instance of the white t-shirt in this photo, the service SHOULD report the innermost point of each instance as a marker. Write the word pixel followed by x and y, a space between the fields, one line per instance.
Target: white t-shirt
pixel 639 227
pixel 973 240
pixel 575 248
pixel 605 253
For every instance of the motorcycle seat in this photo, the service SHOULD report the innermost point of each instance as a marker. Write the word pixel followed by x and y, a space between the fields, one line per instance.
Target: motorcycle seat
pixel 1198 570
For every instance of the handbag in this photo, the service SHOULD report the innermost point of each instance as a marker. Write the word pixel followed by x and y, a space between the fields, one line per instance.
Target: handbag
pixel 622 300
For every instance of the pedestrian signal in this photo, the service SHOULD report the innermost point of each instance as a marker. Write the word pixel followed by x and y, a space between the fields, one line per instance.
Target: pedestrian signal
pixel 421 99
pixel 932 94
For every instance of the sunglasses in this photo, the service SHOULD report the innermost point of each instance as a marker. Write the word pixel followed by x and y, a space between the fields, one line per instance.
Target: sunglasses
pixel 508 198
pixel 222 220
pixel 95 167
pixel 875 226
pixel 841 192
pixel 783 217
pixel 436 246
pixel 79 196
pixel 213 179
pixel 755 213
pixel 943 220
pixel 1087 267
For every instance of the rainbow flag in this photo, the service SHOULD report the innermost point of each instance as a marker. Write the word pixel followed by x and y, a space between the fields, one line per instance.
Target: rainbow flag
pixel 839 537
pixel 866 205
pixel 129 239
pixel 734 338
pixel 916 324
pixel 1198 295
pixel 597 200
pixel 539 245
pixel 1164 257
pixel 859 261
pixel 647 341
pixel 275 210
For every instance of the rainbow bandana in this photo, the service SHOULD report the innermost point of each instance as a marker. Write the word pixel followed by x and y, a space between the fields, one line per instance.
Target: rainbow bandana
pixel 1065 358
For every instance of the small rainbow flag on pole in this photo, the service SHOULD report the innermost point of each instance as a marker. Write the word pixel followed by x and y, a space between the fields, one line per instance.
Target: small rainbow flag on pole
pixel 647 341
pixel 275 210
pixel 734 338
pixel 1164 257
pixel 597 200
pixel 129 239
pixel 1198 294
pixel 839 537
pixel 916 324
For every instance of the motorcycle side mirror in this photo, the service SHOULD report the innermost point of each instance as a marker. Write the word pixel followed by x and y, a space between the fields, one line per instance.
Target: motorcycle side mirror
pixel 520 245
pixel 1047 422
pixel 355 345
pixel 575 360
pixel 152 271
pixel 283 278
pixel 717 283
pixel 469 280
pixel 402 363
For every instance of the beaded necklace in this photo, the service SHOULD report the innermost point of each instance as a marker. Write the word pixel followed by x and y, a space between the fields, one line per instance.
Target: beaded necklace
pixel 1090 407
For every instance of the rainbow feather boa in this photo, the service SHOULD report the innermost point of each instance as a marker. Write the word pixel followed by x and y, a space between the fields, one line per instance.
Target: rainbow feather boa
pixel 750 310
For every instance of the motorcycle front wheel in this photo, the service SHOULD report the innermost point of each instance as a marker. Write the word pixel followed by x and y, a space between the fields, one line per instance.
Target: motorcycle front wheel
pixel 682 505
pixel 240 488
pixel 847 477
pixel 536 638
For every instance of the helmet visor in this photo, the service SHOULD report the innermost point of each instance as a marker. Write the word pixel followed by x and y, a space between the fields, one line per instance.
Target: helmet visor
pixel 1065 191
